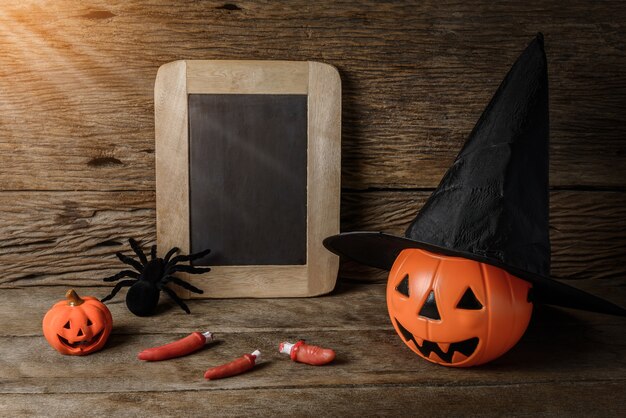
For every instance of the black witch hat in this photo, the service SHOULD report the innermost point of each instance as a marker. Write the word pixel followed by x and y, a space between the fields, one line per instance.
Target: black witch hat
pixel 492 204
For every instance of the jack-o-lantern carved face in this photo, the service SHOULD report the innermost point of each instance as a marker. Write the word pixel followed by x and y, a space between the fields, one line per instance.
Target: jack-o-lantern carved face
pixel 453 311
pixel 77 326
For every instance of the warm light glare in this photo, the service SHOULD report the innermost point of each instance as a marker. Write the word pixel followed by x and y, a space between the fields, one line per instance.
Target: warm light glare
pixel 32 38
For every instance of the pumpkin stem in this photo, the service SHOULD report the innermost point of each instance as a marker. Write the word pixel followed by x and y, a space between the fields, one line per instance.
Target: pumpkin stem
pixel 73 299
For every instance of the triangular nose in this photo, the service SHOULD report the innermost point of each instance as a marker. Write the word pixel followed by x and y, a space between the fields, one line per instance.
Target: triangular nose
pixel 80 333
pixel 429 310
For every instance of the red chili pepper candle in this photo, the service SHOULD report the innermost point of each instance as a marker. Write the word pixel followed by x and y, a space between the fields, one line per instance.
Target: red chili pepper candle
pixel 308 354
pixel 187 345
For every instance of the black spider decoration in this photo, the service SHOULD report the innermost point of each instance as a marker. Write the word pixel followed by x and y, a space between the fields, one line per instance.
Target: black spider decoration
pixel 153 276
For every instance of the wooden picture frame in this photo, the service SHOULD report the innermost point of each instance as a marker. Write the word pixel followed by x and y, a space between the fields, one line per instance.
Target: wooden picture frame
pixel 175 82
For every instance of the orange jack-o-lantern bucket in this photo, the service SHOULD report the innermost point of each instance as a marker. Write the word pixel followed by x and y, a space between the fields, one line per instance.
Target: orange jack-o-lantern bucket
pixel 454 311
pixel 451 294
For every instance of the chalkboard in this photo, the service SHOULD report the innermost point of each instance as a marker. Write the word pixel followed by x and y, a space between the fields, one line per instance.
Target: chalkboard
pixel 248 164
pixel 247 178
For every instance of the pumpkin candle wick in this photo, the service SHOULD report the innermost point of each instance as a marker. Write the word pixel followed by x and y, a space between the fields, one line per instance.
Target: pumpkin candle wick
pixel 73 298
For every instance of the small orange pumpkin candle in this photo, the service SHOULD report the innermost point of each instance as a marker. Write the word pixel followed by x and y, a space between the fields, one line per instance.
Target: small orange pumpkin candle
pixel 77 326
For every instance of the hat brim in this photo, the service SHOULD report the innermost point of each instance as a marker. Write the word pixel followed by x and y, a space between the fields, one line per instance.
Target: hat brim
pixel 380 250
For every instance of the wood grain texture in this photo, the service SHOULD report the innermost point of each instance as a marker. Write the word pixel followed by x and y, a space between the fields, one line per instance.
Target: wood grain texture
pixel 355 366
pixel 572 399
pixel 77 178
pixel 353 320
pixel 71 238
pixel 220 315
pixel 77 108
pixel 247 77
pixel 323 175
pixel 171 117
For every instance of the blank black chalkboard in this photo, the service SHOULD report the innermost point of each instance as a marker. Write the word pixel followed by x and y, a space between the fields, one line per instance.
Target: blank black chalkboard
pixel 248 178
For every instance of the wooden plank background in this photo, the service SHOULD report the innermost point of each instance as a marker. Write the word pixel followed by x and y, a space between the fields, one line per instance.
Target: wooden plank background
pixel 77 125
pixel 77 179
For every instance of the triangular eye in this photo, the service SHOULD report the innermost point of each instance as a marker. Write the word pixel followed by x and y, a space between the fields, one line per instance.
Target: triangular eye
pixel 67 325
pixel 403 286
pixel 469 301
pixel 429 310
pixel 89 323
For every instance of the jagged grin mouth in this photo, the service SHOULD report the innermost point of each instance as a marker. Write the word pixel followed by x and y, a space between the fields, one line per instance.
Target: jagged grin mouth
pixel 80 344
pixel 465 347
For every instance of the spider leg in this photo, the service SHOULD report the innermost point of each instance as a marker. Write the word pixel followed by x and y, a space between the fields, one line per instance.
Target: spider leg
pixel 182 283
pixel 127 260
pixel 170 253
pixel 137 249
pixel 153 252
pixel 186 269
pixel 174 297
pixel 117 288
pixel 123 273
pixel 189 257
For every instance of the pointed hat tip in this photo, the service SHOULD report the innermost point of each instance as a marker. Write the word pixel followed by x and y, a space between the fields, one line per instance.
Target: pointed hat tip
pixel 540 37
pixel 539 41
pixel 536 46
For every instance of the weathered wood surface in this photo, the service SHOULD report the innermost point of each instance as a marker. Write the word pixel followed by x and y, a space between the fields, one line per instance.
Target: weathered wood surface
pixel 71 235
pixel 70 238
pixel 565 363
pixel 514 400
pixel 77 100
pixel 76 113
pixel 571 399
pixel 77 179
